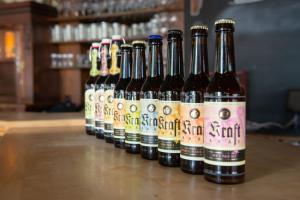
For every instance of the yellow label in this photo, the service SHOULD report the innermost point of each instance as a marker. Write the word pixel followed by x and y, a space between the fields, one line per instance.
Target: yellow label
pixel 132 117
pixel 169 120
pixel 90 103
pixel 108 106
pixel 115 69
pixel 191 118
pixel 119 113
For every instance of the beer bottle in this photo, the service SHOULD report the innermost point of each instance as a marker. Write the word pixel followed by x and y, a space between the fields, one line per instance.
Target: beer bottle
pixel 224 108
pixel 149 99
pixel 191 106
pixel 110 83
pixel 99 95
pixel 119 96
pixel 89 95
pixel 169 104
pixel 132 96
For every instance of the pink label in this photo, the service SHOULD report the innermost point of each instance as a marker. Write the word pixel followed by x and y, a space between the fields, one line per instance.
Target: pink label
pixel 99 103
pixel 104 67
pixel 224 125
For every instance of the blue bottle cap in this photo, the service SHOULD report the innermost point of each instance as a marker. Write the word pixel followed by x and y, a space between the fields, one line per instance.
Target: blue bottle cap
pixel 155 37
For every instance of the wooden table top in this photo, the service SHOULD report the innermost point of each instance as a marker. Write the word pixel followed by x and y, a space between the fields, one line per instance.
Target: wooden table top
pixel 65 163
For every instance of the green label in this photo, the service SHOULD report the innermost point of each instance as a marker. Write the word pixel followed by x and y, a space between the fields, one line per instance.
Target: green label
pixel 132 117
pixel 94 71
pixel 89 103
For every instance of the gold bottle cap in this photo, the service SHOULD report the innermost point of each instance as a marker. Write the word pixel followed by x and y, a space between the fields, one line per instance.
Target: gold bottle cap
pixel 199 27
pixel 126 45
pixel 139 42
pixel 225 21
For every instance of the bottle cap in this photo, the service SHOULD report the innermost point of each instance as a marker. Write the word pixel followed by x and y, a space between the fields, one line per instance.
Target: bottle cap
pixel 199 27
pixel 95 45
pixel 106 41
pixel 225 21
pixel 155 37
pixel 138 42
pixel 126 46
pixel 174 34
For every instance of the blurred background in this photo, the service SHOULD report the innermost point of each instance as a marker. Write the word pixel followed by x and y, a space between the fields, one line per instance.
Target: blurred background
pixel 44 49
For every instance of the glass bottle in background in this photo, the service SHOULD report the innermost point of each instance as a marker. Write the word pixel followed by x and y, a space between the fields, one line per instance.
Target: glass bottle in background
pixel 119 96
pixel 169 104
pixel 132 96
pixel 89 94
pixel 99 85
pixel 110 83
pixel 225 116
pixel 149 99
pixel 191 106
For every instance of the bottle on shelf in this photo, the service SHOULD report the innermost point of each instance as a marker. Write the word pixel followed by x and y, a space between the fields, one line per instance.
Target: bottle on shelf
pixel 192 105
pixel 169 103
pixel 110 83
pixel 99 88
pixel 149 99
pixel 224 108
pixel 119 96
pixel 132 96
pixel 89 95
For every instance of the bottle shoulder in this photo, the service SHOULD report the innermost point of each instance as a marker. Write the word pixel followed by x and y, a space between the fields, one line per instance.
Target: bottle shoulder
pixel 112 79
pixel 172 83
pixel 225 85
pixel 101 79
pixel 122 84
pixel 197 82
pixel 152 84
pixel 135 85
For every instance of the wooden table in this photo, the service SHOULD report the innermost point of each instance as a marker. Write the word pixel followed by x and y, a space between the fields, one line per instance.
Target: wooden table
pixel 64 163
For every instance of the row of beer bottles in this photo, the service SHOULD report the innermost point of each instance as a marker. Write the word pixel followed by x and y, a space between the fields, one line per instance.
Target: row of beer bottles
pixel 197 123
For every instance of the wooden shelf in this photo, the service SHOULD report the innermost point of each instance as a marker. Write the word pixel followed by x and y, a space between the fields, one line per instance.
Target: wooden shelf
pixel 72 68
pixel 139 15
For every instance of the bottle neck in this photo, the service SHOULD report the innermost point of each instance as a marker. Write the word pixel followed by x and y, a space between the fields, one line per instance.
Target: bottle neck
pixel 175 59
pixel 115 57
pixel 126 62
pixel 199 62
pixel 104 60
pixel 139 63
pixel 94 58
pixel 155 60
pixel 224 60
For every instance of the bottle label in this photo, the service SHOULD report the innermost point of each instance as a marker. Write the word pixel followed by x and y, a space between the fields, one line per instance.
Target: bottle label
pixel 94 57
pixel 149 122
pixel 224 133
pixel 108 110
pixel 192 133
pixel 99 109
pixel 104 67
pixel 89 98
pixel 119 118
pixel 169 127
pixel 115 69
pixel 132 122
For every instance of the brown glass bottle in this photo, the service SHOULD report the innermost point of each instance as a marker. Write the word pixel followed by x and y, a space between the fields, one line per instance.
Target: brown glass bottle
pixel 110 83
pixel 224 108
pixel 99 88
pixel 191 106
pixel 169 103
pixel 132 96
pixel 149 99
pixel 89 95
pixel 119 96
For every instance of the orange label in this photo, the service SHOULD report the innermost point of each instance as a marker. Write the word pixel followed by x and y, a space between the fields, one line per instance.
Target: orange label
pixel 169 120
pixel 192 121
pixel 119 113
